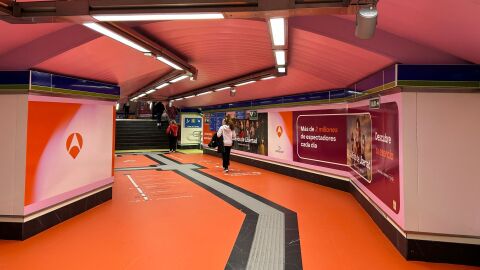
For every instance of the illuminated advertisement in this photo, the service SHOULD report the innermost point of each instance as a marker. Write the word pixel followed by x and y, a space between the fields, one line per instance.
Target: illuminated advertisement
pixel 360 140
pixel 252 135
pixel 280 135
pixel 359 145
pixel 70 149
pixel 373 150
pixel 320 138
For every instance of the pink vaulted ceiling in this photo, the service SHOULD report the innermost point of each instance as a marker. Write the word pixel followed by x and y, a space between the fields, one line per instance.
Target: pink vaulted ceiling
pixel 315 63
pixel 323 51
pixel 106 60
pixel 451 26
pixel 16 35
pixel 220 50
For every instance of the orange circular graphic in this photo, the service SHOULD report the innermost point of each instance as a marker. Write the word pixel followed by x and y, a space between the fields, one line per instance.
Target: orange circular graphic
pixel 74 144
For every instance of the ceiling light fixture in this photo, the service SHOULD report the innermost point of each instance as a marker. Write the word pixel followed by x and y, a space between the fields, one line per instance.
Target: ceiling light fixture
pixel 189 96
pixel 157 17
pixel 162 86
pixel 268 78
pixel 280 58
pixel 168 62
pixel 179 78
pixel 205 93
pixel 277 26
pixel 179 99
pixel 366 22
pixel 221 89
pixel 282 69
pixel 244 83
pixel 141 95
pixel 107 32
pixel 150 91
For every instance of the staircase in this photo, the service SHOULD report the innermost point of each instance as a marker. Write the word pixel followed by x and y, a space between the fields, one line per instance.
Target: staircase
pixel 140 134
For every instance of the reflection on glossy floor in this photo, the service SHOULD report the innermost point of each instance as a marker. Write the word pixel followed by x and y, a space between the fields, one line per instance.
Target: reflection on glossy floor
pixel 161 218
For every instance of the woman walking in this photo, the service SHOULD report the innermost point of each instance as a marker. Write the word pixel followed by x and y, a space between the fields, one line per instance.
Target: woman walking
pixel 172 132
pixel 227 132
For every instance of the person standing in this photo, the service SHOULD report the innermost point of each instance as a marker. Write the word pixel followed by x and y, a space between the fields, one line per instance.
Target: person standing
pixel 126 109
pixel 172 132
pixel 228 133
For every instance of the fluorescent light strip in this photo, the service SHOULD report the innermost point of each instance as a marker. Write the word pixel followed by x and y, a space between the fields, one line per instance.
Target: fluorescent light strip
pixel 158 17
pixel 168 62
pixel 277 26
pixel 223 88
pixel 189 96
pixel 162 86
pixel 268 78
pixel 205 93
pixel 244 83
pixel 282 69
pixel 150 91
pixel 107 32
pixel 141 95
pixel 179 99
pixel 179 79
pixel 280 57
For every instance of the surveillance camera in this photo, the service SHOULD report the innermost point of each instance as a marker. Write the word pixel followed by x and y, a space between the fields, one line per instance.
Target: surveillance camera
pixel 233 90
pixel 366 22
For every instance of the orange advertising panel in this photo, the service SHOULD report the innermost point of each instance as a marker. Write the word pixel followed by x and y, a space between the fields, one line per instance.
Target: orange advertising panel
pixel 69 149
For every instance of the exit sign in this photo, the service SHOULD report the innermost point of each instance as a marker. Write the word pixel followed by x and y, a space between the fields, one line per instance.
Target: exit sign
pixel 375 103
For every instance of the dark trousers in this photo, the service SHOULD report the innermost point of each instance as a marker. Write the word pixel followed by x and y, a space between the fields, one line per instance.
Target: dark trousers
pixel 172 142
pixel 226 156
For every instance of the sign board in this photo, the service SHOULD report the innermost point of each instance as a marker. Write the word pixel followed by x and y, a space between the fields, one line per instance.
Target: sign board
pixel 375 103
pixel 191 122
pixel 240 115
pixel 253 115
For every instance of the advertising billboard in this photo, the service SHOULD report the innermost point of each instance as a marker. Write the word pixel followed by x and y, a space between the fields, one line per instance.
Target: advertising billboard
pixel 361 140
pixel 280 135
pixel 70 149
pixel 252 135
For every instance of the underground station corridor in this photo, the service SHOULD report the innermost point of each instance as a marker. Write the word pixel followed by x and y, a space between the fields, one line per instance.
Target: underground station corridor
pixel 239 134
pixel 180 211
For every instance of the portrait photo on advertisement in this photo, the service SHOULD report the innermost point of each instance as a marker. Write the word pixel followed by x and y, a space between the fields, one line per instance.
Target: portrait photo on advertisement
pixel 359 145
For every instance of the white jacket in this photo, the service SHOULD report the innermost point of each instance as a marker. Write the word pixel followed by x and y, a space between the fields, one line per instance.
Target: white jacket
pixel 228 135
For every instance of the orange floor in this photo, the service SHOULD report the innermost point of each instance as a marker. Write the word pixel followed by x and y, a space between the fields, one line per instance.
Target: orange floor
pixel 183 226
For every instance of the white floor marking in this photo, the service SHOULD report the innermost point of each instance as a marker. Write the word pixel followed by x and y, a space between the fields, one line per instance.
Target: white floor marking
pixel 144 196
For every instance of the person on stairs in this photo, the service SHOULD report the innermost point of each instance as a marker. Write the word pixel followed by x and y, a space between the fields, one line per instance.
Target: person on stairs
pixel 159 109
pixel 172 132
